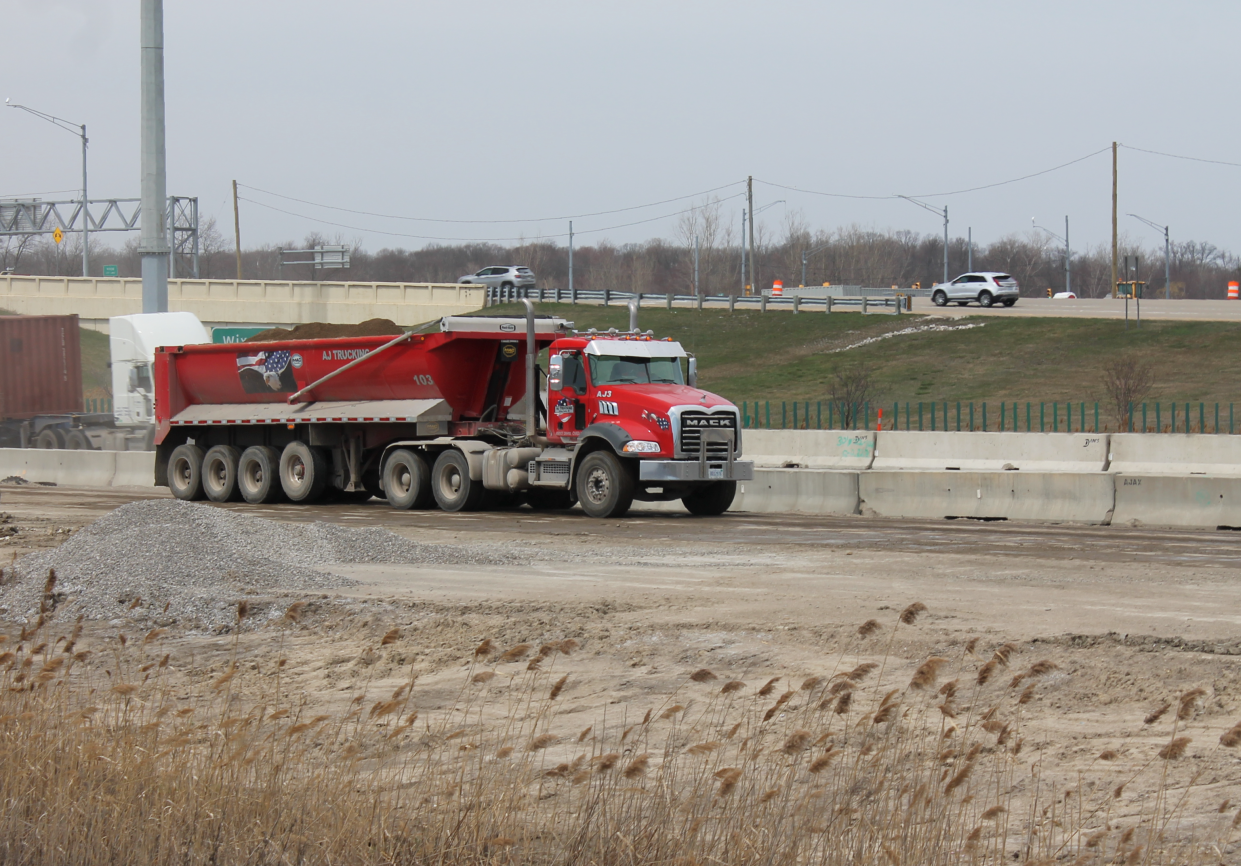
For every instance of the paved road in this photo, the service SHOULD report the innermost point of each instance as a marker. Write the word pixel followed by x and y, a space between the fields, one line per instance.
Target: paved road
pixel 74 507
pixel 1101 308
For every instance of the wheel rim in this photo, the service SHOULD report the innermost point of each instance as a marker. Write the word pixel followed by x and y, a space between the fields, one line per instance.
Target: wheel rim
pixel 940 299
pixel 254 475
pixel 218 473
pixel 297 471
pixel 181 471
pixel 451 482
pixel 598 486
pixel 402 481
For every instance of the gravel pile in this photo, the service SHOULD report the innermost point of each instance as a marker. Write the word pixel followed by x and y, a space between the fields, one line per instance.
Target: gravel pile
pixel 190 563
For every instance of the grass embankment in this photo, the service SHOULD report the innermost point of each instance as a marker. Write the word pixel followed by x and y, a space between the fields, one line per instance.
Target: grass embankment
pixel 781 356
pixel 113 753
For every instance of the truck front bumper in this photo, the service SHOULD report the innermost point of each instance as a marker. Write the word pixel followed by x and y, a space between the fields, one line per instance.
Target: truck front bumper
pixel 694 470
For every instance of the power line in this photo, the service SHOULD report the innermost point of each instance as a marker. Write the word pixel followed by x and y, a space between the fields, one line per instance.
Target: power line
pixel 488 222
pixel 480 240
pixel 32 194
pixel 1178 156
pixel 940 194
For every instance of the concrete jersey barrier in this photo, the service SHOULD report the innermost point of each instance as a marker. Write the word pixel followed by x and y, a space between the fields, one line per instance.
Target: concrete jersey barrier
pixel 1206 502
pixel 1176 454
pixel 786 491
pixel 80 468
pixel 1036 497
pixel 991 452
pixel 810 449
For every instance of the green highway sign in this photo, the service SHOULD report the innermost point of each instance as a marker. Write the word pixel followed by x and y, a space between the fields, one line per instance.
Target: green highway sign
pixel 234 335
pixel 110 271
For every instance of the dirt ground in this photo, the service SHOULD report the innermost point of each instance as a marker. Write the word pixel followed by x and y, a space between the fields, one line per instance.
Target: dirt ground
pixel 1131 619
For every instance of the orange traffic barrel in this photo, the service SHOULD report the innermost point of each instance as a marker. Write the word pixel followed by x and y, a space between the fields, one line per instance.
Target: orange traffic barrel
pixel 777 287
pixel 1234 291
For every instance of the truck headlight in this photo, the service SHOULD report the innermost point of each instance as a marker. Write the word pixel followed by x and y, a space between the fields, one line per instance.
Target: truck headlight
pixel 641 446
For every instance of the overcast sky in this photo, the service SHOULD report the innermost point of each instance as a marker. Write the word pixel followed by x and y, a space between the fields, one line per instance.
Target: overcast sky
pixel 516 111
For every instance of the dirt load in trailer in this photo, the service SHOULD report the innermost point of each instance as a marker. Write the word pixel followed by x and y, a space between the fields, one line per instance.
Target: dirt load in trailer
pixel 442 418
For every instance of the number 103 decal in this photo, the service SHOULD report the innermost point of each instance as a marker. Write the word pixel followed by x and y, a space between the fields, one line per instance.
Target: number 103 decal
pixel 423 380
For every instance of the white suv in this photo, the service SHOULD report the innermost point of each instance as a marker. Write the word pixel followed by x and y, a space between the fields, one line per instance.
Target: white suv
pixel 985 287
pixel 501 277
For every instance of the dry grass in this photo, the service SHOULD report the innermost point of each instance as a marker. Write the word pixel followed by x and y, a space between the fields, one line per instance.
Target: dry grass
pixel 111 754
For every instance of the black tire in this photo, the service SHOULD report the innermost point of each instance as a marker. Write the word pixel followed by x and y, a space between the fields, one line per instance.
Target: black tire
pixel 549 499
pixel 303 472
pixel 1008 302
pixel 985 299
pixel 451 483
pixel 220 473
pixel 940 299
pixel 407 480
pixel 711 499
pixel 605 485
pixel 258 475
pixel 185 473
pixel 371 480
pixel 77 440
pixel 50 439
pixel 506 286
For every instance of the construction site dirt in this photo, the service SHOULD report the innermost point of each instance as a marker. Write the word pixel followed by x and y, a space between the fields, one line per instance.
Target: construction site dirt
pixel 1129 618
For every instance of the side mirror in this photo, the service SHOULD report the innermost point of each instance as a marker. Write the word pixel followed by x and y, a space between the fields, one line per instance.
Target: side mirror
pixel 693 372
pixel 555 372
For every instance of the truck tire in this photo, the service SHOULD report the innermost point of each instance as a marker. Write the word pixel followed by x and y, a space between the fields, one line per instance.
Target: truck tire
pixel 220 473
pixel 185 472
pixel 711 499
pixel 303 472
pixel 77 440
pixel 605 485
pixel 407 480
pixel 451 484
pixel 258 475
pixel 49 438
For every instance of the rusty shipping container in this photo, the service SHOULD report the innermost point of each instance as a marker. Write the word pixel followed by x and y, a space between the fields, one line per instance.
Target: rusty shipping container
pixel 40 366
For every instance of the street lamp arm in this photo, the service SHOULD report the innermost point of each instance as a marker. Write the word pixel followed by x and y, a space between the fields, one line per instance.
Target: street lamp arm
pixel 68 125
pixel 1053 234
pixel 935 210
pixel 1156 226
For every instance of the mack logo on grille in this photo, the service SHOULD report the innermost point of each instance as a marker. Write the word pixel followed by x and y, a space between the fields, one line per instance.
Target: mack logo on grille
pixel 708 421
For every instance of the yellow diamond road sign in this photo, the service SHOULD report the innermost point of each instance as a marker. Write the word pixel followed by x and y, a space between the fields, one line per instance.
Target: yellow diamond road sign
pixel 58 235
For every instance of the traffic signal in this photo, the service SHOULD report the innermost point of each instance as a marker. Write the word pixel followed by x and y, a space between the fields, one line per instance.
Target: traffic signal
pixel 1049 291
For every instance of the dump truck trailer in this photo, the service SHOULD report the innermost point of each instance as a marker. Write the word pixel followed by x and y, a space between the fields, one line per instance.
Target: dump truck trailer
pixel 461 418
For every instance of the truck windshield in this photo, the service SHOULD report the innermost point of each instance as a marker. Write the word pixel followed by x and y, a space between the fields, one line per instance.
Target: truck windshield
pixel 620 370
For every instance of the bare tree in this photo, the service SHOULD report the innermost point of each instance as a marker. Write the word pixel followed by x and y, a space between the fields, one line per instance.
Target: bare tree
pixel 1127 379
pixel 852 388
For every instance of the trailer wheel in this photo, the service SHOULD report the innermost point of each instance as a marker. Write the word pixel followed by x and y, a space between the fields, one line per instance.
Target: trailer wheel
pixel 49 438
pixel 258 475
pixel 451 483
pixel 185 472
pixel 220 473
pixel 78 441
pixel 303 472
pixel 605 485
pixel 407 480
pixel 711 499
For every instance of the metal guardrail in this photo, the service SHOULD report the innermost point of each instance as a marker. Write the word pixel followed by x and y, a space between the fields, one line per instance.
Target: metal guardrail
pixel 892 306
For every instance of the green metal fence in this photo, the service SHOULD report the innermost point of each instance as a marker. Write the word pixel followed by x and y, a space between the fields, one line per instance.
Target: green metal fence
pixel 1028 417
pixel 94 405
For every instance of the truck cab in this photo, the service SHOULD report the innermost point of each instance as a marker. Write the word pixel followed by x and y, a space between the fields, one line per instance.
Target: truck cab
pixel 632 402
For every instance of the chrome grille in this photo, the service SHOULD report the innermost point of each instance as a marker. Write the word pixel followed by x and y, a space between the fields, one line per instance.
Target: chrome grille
pixel 692 426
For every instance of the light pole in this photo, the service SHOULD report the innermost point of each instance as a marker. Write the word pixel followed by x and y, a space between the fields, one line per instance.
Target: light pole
pixel 1167 267
pixel 1068 283
pixel 805 254
pixel 935 210
pixel 78 130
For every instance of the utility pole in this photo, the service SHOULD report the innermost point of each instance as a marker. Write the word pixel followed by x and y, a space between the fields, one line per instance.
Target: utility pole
pixel 743 251
pixel 570 259
pixel 969 262
pixel 1068 256
pixel 749 186
pixel 697 294
pixel 154 243
pixel 1114 274
pixel 237 229
pixel 945 243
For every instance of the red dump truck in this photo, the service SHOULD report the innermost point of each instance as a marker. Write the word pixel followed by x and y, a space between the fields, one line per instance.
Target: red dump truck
pixel 446 418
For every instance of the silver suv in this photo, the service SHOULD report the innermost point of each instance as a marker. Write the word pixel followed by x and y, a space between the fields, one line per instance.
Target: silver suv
pixel 501 278
pixel 985 287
